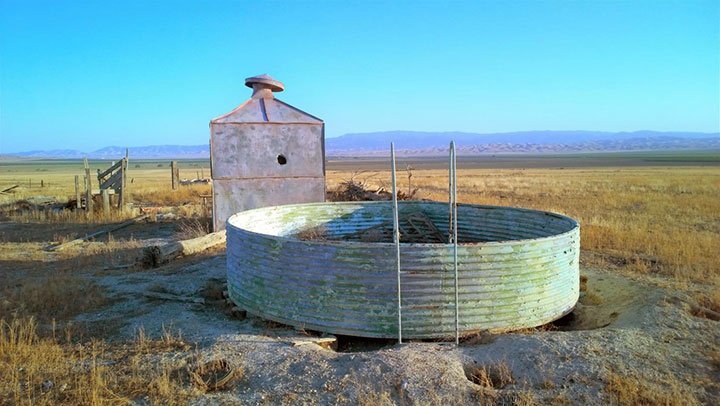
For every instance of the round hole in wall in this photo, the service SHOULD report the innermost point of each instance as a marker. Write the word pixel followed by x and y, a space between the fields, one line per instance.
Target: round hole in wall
pixel 281 159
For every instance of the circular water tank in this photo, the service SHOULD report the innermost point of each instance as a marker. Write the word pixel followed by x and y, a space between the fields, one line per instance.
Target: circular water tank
pixel 331 267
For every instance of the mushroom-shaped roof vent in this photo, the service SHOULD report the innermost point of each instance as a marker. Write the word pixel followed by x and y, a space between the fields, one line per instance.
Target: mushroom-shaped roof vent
pixel 264 81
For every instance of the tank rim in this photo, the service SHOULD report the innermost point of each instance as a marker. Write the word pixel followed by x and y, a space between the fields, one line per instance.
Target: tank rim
pixel 574 227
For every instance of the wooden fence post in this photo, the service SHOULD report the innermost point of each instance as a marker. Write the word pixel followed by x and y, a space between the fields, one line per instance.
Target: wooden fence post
pixel 77 192
pixel 175 172
pixel 106 202
pixel 123 183
pixel 88 188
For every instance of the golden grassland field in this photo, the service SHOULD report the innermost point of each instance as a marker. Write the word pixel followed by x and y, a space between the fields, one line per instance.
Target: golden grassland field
pixel 657 223
pixel 648 220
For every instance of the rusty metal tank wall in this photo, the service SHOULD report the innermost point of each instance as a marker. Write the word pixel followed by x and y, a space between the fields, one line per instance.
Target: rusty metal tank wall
pixel 265 153
pixel 518 268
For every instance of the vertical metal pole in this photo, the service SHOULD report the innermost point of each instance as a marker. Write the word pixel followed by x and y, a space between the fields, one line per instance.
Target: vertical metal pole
pixel 450 197
pixel 453 175
pixel 396 238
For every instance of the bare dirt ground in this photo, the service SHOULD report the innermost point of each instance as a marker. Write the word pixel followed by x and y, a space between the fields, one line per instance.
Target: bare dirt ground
pixel 626 334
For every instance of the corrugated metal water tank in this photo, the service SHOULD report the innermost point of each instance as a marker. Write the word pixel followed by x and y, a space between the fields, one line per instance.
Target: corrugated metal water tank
pixel 517 268
pixel 265 153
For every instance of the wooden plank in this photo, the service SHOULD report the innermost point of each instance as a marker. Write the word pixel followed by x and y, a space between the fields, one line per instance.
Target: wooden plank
pixel 97 233
pixel 159 254
pixel 9 189
pixel 109 170
pixel 174 298
pixel 327 342
pixel 113 182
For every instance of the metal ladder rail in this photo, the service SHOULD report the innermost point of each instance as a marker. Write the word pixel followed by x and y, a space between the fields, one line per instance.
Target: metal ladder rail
pixel 396 239
pixel 452 227
pixel 453 193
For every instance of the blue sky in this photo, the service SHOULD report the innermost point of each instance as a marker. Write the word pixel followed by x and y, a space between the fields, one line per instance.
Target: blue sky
pixel 84 75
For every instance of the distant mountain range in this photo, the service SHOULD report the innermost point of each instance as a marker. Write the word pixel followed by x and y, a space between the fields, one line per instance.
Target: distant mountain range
pixel 415 143
pixel 412 143
pixel 148 152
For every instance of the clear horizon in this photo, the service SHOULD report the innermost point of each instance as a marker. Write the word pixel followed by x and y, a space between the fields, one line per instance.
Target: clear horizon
pixel 85 75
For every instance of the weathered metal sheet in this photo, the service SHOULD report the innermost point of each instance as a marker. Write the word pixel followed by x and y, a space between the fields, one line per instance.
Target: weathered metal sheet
pixel 517 268
pixel 263 152
pixel 235 195
pixel 252 151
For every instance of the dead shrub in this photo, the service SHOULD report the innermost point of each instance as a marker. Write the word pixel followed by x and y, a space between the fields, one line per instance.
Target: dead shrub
pixel 591 299
pixel 710 301
pixel 168 341
pixel 214 290
pixel 493 376
pixel 317 233
pixel 349 191
pixel 215 375
pixel 583 283
pixel 194 227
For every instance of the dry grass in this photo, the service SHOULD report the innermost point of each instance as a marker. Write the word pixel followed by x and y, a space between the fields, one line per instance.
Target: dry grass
pixel 710 301
pixel 643 220
pixel 375 399
pixel 57 297
pixel 47 371
pixel 708 306
pixel 149 187
pixel 194 227
pixel 66 216
pixel 632 390
pixel 494 376
pixel 647 220
pixel 163 195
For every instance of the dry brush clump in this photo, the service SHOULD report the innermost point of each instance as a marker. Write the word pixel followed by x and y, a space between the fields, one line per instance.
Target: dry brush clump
pixel 193 227
pixel 316 233
pixel 351 189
